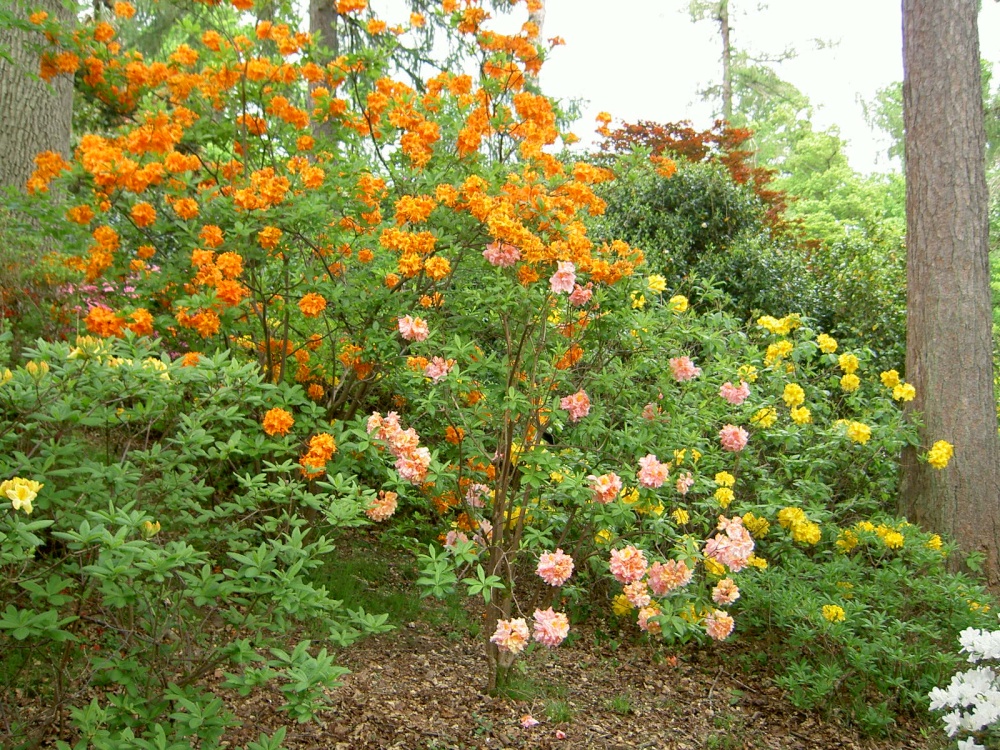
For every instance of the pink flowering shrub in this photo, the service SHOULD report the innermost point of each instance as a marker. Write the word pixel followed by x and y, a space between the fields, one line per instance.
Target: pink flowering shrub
pixel 605 487
pixel 652 474
pixel 733 438
pixel 578 405
pixel 555 568
pixel 684 369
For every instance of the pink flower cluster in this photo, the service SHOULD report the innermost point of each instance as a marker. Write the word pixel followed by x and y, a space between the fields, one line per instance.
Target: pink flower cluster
pixel 734 547
pixel 564 279
pixel 501 254
pixel 382 507
pixel 412 460
pixel 683 369
pixel 725 592
pixel 413 329
pixel 628 565
pixel 651 411
pixel 555 568
pixel 735 395
pixel 733 438
pixel 475 494
pixel 637 594
pixel 652 474
pixel 581 294
pixel 578 405
pixel 438 368
pixel 684 482
pixel 673 574
pixel 605 487
pixel 719 625
pixel 550 629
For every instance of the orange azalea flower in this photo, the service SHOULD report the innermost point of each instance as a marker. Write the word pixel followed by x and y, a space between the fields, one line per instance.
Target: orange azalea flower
pixel 230 264
pixel 103 322
pixel 80 214
pixel 211 235
pixel 142 322
pixel 143 214
pixel 268 237
pixel 104 32
pixel 351 6
pixel 315 392
pixel 365 255
pixel 107 238
pixel 145 251
pixel 437 267
pixel 186 208
pixel 277 421
pixel 190 359
pixel 391 280
pixel 454 435
pixel 312 305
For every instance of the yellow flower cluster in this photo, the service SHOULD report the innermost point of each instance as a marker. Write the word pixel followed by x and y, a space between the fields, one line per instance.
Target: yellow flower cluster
pixel 793 395
pixel 940 454
pixel 827 344
pixel 802 529
pixel 21 492
pixel 724 496
pixel 765 417
pixel 856 431
pixel 678 303
pixel 848 363
pixel 777 351
pixel 833 613
pixel 781 327
pixel 725 479
pixel 758 526
pixel 681 516
pixel 801 415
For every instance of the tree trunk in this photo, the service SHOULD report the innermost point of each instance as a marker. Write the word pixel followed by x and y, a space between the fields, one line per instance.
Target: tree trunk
pixel 948 335
pixel 727 60
pixel 323 27
pixel 36 116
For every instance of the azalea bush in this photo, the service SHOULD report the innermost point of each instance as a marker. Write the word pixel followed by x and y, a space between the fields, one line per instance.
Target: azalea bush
pixel 138 562
pixel 321 288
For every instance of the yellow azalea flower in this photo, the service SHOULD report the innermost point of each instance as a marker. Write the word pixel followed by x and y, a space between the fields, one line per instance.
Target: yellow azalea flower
pixel 556 477
pixel 833 613
pixel 681 516
pixel 679 456
pixel 904 392
pixel 848 363
pixel 638 301
pixel 846 541
pixel 940 454
pixel 656 283
pixel 724 496
pixel 859 432
pixel 827 344
pixel 678 303
pixel 807 533
pixel 603 537
pixel 793 395
pixel 864 526
pixel 725 479
pixel 890 378
pixel 748 373
pixel 629 495
pixel 21 492
pixel 934 542
pixel 757 562
pixel 695 455
pixel 620 605
pixel 555 316
pixel 713 567
pixel 777 351
pixel 149 529
pixel 756 525
pixel 5 376
pixel 850 382
pixel 37 370
pixel 765 417
pixel 801 415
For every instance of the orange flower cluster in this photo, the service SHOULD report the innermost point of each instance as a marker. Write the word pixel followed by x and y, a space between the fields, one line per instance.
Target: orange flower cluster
pixel 103 322
pixel 312 305
pixel 277 421
pixel 48 165
pixel 321 449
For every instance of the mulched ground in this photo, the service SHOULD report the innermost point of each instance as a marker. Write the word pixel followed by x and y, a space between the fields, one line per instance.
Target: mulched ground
pixel 416 688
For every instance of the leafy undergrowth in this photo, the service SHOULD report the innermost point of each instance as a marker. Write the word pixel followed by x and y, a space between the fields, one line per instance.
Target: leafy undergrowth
pixel 422 685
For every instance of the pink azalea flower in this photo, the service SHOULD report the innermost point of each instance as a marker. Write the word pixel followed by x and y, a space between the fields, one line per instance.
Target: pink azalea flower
pixel 684 482
pixel 578 405
pixel 475 494
pixel 438 369
pixel 581 295
pixel 683 369
pixel 650 411
pixel 551 628
pixel 733 438
pixel 413 466
pixel 719 625
pixel 637 594
pixel 564 278
pixel 555 568
pixel 528 721
pixel 733 549
pixel 382 507
pixel 453 538
pixel 725 592
pixel 560 734
pixel 501 254
pixel 652 474
pixel 628 565
pixel 650 626
pixel 413 329
pixel 511 635
pixel 605 487
pixel 735 395
pixel 673 574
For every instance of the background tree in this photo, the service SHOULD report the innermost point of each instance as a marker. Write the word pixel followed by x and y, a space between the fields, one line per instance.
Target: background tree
pixel 36 115
pixel 949 347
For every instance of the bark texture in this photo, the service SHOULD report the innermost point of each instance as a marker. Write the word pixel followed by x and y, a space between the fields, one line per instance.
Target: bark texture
pixel 35 116
pixel 948 336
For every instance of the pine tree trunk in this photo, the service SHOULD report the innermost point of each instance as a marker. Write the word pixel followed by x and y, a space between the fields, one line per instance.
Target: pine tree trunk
pixel 36 116
pixel 727 61
pixel 949 345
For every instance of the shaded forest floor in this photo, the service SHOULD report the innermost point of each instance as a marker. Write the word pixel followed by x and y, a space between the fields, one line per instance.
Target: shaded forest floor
pixel 421 686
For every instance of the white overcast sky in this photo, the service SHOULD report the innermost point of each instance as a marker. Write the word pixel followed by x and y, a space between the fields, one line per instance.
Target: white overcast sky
pixel 646 60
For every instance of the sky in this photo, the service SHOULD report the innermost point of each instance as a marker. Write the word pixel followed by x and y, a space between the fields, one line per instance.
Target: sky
pixel 646 60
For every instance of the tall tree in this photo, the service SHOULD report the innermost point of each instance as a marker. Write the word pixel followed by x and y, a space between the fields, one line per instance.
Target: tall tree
pixel 949 347
pixel 718 11
pixel 36 116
